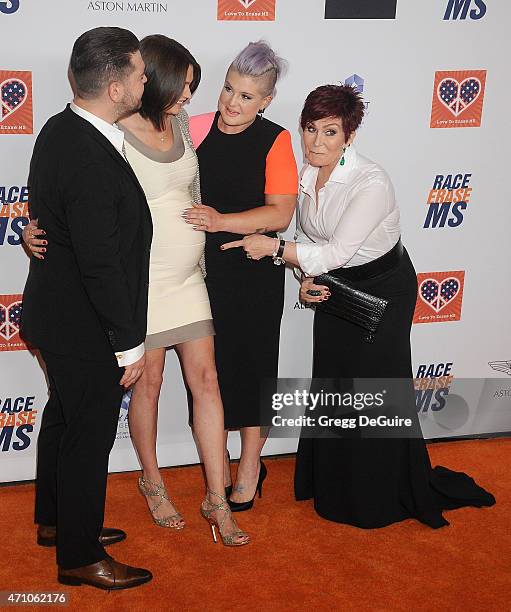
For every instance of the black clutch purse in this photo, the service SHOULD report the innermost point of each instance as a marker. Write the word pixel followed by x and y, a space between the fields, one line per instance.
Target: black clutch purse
pixel 351 304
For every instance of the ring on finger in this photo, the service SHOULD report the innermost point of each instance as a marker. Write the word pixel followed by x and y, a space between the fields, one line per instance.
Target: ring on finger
pixel 249 256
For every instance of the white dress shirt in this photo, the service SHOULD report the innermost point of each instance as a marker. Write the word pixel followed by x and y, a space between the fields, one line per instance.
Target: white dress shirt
pixel 116 137
pixel 355 220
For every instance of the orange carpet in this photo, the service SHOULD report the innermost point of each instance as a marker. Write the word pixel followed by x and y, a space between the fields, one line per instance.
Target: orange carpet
pixel 297 560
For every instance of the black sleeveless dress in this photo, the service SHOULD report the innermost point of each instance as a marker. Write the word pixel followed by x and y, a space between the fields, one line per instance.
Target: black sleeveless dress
pixel 246 296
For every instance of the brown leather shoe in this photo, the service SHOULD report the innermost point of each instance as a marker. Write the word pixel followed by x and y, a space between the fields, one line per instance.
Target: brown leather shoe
pixel 47 536
pixel 108 574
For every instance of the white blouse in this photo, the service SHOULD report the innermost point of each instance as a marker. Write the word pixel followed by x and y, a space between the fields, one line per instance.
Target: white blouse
pixel 355 220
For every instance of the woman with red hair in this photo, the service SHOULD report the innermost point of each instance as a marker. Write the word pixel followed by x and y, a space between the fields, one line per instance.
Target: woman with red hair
pixel 349 231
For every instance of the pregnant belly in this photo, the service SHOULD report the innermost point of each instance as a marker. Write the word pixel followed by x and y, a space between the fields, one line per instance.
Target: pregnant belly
pixel 174 264
pixel 170 230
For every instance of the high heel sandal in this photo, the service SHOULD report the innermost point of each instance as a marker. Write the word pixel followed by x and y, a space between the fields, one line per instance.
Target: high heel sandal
pixel 241 506
pixel 228 539
pixel 160 491
pixel 228 488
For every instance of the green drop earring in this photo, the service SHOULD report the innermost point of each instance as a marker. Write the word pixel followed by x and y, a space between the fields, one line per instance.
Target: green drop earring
pixel 342 162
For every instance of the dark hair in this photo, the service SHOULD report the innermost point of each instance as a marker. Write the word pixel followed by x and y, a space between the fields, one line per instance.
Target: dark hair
pixel 334 101
pixel 100 56
pixel 166 65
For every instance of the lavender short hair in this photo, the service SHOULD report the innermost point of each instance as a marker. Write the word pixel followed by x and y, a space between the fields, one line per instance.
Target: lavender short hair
pixel 259 60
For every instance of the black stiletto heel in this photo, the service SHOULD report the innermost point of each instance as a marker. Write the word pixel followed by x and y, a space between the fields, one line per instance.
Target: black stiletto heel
pixel 242 506
pixel 228 488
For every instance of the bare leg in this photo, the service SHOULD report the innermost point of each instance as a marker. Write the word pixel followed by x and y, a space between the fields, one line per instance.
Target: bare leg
pixel 199 370
pixel 252 442
pixel 143 420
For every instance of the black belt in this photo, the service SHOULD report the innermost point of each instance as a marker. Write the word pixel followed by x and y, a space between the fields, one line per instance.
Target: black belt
pixel 372 268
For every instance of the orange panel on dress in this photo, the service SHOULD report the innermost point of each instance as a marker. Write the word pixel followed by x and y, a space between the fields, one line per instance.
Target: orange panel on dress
pixel 281 171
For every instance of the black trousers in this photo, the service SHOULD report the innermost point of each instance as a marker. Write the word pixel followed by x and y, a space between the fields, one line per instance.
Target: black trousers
pixel 77 434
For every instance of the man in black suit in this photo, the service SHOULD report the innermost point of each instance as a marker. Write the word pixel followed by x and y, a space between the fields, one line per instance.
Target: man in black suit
pixel 85 305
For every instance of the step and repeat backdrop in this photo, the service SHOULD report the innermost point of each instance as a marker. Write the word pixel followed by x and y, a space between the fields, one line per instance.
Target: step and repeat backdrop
pixel 434 77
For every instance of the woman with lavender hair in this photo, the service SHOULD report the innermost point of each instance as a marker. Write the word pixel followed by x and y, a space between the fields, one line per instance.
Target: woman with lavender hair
pixel 249 184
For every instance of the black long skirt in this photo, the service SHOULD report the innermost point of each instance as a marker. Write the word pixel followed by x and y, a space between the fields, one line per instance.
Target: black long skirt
pixel 374 482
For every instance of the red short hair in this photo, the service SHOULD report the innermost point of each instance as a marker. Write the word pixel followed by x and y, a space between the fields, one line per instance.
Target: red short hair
pixel 334 101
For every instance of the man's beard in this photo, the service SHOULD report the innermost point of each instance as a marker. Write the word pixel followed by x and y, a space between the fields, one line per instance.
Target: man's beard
pixel 128 106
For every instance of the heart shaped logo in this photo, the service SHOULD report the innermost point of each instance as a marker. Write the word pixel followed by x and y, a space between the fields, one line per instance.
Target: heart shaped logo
pixel 13 93
pixel 10 319
pixel 438 294
pixel 456 96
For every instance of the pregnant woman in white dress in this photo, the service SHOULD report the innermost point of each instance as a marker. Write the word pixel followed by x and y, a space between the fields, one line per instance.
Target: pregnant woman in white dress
pixel 158 146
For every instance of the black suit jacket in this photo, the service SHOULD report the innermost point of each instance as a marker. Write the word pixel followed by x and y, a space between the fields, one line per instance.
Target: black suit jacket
pixel 88 297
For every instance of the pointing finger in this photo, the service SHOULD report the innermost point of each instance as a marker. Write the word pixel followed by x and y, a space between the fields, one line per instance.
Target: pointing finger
pixel 232 245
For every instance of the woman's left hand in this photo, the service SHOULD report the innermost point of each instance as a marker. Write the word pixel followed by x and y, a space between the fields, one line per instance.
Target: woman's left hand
pixel 203 218
pixel 255 246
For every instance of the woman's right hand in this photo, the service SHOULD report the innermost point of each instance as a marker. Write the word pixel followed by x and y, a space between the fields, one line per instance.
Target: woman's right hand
pixel 36 245
pixel 308 285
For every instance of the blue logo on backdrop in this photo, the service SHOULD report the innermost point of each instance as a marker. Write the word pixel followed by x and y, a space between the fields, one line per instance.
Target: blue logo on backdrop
pixel 9 6
pixel 432 383
pixel 447 200
pixel 356 81
pixel 17 420
pixel 123 430
pixel 125 402
pixel 459 9
pixel 13 213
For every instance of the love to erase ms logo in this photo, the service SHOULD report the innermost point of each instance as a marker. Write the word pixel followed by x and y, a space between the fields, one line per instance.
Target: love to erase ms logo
pixel 246 10
pixel 11 307
pixel 16 102
pixel 457 98
pixel 440 297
